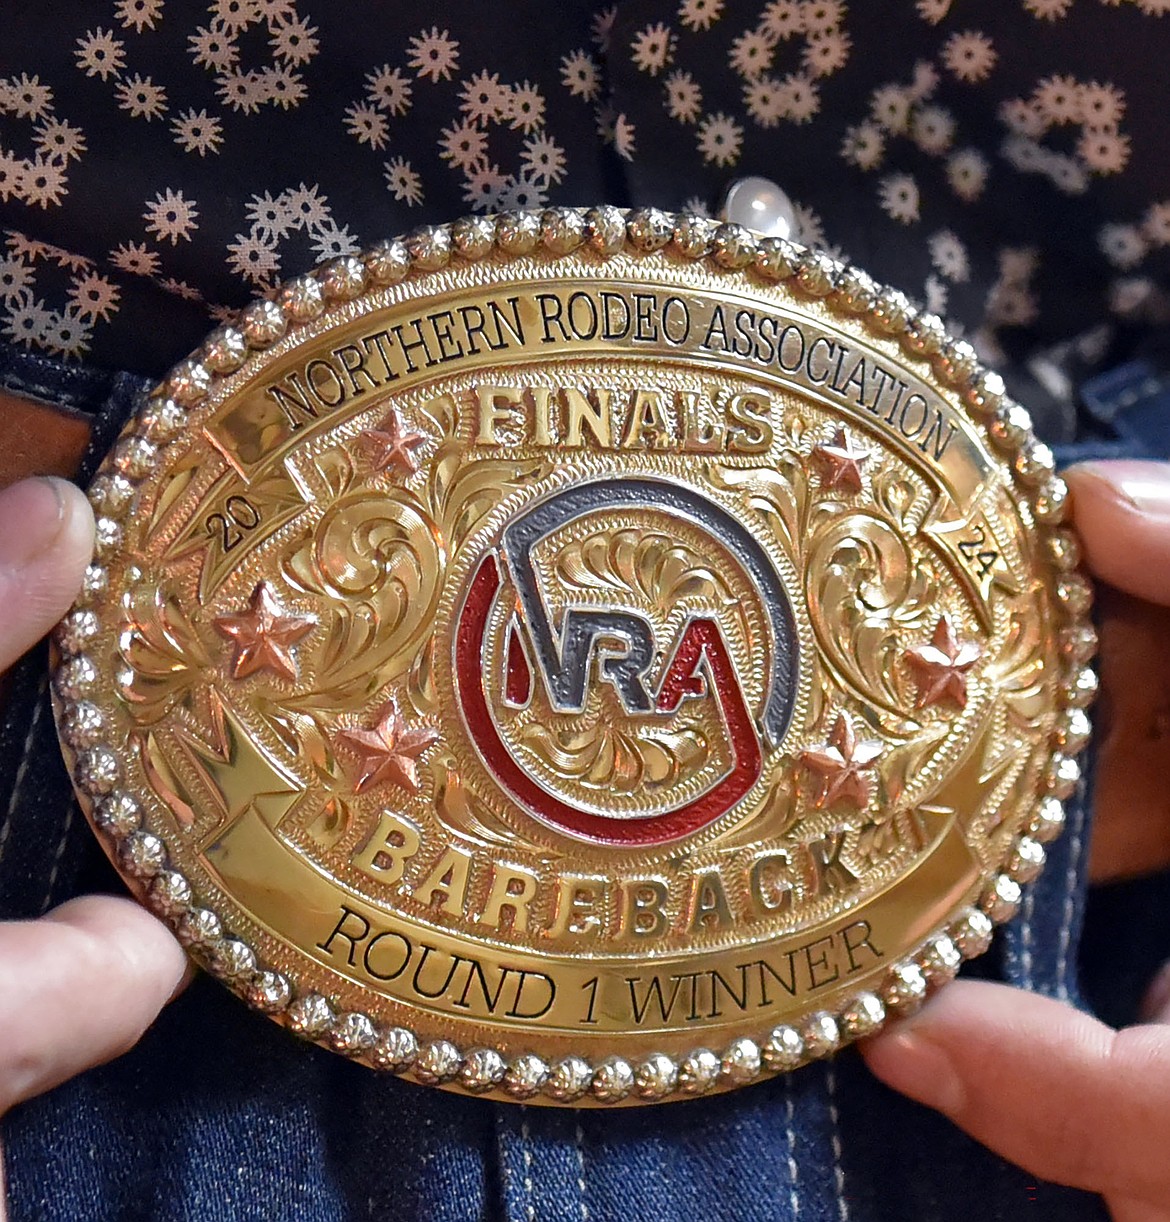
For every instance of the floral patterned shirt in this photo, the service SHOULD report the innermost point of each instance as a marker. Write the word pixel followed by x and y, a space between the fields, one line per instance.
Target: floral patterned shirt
pixel 1003 163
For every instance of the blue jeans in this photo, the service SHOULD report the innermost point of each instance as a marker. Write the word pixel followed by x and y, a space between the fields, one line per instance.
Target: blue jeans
pixel 218 1114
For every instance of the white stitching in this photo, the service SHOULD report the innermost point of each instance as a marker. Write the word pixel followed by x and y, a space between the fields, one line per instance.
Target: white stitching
pixel 1026 938
pixel 1150 386
pixel 505 1171
pixel 579 1138
pixel 1145 389
pixel 1071 878
pixel 790 1130
pixel 838 1170
pixel 18 783
pixel 530 1205
pixel 59 855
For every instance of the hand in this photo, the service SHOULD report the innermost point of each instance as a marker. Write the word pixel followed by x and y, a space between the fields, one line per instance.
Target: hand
pixel 80 985
pixel 1052 1089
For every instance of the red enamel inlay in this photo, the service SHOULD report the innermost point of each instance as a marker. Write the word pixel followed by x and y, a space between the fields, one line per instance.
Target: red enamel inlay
pixel 702 639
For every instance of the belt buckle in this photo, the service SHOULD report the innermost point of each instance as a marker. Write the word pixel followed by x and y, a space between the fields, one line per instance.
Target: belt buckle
pixel 579 657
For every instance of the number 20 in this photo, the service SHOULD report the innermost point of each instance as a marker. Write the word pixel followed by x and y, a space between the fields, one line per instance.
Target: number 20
pixel 239 517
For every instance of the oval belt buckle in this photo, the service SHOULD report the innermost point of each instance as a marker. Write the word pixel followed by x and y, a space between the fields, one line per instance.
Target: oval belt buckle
pixel 579 656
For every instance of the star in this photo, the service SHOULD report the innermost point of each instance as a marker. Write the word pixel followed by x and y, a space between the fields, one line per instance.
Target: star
pixel 940 668
pixel 841 765
pixel 391 444
pixel 389 751
pixel 840 462
pixel 264 635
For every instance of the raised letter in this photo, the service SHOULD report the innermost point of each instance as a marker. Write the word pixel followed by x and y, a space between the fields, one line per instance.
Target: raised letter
pixel 648 426
pixel 645 908
pixel 293 400
pixel 394 842
pixel 578 899
pixel 709 907
pixel 582 412
pixel 448 879
pixel 497 405
pixel 513 888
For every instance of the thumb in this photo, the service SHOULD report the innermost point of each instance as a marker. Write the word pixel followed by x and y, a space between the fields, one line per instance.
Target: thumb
pixel 1122 513
pixel 46 540
pixel 78 987
pixel 1052 1089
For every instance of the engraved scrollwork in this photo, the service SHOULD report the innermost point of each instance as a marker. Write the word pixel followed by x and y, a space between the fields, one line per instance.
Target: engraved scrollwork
pixel 775 815
pixel 421 690
pixel 665 575
pixel 460 812
pixel 379 562
pixel 305 736
pixel 900 499
pixel 889 836
pixel 601 757
pixel 336 469
pixel 868 592
pixel 461 494
pixel 780 492
pixel 163 648
pixel 332 823
pixel 651 566
pixel 907 762
pixel 1021 674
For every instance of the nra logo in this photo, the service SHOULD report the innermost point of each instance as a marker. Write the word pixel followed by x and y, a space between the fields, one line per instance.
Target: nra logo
pixel 560 652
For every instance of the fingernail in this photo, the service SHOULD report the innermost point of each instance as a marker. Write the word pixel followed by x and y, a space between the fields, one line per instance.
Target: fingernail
pixel 1145 485
pixel 33 514
pixel 1156 1003
pixel 916 1067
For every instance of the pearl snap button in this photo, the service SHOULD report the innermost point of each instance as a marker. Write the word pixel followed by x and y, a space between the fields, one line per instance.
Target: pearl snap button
pixel 759 204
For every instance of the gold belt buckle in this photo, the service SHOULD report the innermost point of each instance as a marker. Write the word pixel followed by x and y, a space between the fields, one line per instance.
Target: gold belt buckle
pixel 579 657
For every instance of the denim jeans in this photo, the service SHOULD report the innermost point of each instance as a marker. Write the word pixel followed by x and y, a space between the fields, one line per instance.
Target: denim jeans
pixel 218 1114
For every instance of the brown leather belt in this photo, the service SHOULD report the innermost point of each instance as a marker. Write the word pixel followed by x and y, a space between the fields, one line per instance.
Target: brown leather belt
pixel 1131 833
pixel 39 438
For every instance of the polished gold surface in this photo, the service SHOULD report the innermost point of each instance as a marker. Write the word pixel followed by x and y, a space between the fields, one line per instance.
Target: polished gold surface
pixel 581 657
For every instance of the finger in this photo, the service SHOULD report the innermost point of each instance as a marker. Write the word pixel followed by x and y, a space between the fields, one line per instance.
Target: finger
pixel 46 540
pixel 1122 513
pixel 77 988
pixel 1137 1211
pixel 1156 1003
pixel 1046 1086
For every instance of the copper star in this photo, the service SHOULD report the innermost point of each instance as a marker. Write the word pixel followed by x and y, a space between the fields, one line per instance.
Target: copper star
pixel 264 635
pixel 840 462
pixel 389 751
pixel 842 765
pixel 392 444
pixel 940 668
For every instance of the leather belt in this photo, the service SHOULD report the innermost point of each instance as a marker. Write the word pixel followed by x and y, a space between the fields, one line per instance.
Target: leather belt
pixel 39 438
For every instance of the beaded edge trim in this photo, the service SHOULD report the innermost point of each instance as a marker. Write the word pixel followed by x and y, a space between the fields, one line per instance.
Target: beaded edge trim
pixel 608 231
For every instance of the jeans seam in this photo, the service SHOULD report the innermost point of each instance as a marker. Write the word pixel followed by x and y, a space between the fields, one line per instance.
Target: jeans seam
pixel 83 387
pixel 579 1140
pixel 1148 388
pixel 835 1144
pixel 59 855
pixel 26 752
pixel 1071 880
pixel 526 1157
pixel 790 1136
pixel 1026 938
